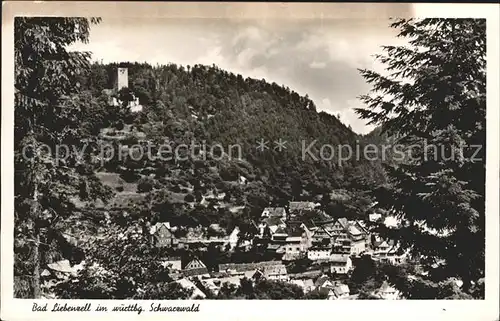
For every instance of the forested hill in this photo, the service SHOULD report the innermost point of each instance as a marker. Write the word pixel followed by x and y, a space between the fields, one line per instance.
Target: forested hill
pixel 186 105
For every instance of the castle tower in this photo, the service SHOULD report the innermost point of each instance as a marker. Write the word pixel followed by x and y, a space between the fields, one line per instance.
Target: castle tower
pixel 122 78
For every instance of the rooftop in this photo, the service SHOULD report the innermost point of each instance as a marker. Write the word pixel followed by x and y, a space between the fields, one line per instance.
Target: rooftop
pixel 274 211
pixel 341 258
pixel 157 226
pixel 299 206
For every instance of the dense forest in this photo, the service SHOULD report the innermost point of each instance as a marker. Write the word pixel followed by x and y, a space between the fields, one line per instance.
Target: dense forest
pixel 190 105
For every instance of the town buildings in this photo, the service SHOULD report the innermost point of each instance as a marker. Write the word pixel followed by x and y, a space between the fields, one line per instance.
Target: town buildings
pixel 329 245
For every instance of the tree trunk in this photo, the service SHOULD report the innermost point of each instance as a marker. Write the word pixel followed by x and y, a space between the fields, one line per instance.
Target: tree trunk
pixel 37 291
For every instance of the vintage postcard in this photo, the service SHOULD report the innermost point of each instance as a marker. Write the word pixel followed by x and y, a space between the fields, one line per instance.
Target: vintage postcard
pixel 160 159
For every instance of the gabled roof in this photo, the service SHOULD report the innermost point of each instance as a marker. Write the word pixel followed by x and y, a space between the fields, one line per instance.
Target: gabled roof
pixel 341 289
pixel 274 221
pixel 321 280
pixel 185 283
pixel 278 269
pixel 193 261
pixel 385 287
pixel 294 229
pixel 339 258
pixel 325 291
pixel 359 225
pixel 321 230
pixel 299 206
pixel 383 244
pixel 157 226
pixel 309 224
pixel 281 230
pixel 353 230
pixel 275 211
pixel 343 221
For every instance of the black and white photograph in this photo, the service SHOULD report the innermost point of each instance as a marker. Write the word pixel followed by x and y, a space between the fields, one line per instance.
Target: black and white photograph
pixel 259 158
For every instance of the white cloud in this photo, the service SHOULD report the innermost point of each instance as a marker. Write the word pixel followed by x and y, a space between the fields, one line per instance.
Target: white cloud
pixel 317 65
pixel 319 61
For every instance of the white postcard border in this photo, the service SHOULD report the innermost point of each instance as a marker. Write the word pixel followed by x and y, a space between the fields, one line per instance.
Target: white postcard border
pixel 16 309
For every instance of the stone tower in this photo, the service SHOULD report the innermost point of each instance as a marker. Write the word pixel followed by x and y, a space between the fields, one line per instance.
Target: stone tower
pixel 122 78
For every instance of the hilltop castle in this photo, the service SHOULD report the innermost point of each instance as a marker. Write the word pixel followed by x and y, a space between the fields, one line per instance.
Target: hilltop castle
pixel 122 82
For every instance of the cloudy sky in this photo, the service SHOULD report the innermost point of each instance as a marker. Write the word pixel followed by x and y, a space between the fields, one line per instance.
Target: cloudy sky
pixel 318 57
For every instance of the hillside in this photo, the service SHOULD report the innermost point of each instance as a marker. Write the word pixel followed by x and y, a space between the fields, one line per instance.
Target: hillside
pixel 206 104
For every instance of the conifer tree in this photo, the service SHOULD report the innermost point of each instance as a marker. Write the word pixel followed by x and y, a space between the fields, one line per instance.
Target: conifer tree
pixel 433 99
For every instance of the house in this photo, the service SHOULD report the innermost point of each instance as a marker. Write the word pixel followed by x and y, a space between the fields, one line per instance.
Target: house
pixel 309 225
pixel 387 251
pixel 323 282
pixel 195 264
pixel 162 235
pixel 340 263
pixel 271 224
pixel 342 244
pixel 294 207
pixel 274 212
pixel 280 234
pixel 240 268
pixel 293 249
pixel 318 253
pixel 173 264
pixel 333 290
pixel 358 236
pixel 359 225
pixel 341 291
pixel 272 272
pixel 339 226
pixel 380 246
pixel 321 237
pixel 213 285
pixel 307 284
pixel 187 284
pixel 387 292
pixel 234 237
pixel 328 292
pixel 351 237
pixel 375 217
pixel 299 232
pixel 195 267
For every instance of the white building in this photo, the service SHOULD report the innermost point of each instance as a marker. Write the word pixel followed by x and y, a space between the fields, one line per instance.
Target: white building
pixel 340 263
pixel 387 292
pixel 319 253
pixel 233 238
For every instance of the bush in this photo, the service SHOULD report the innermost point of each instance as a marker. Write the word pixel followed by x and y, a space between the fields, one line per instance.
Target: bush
pixel 119 188
pixel 119 125
pixel 145 185
pixel 129 176
pixel 189 198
